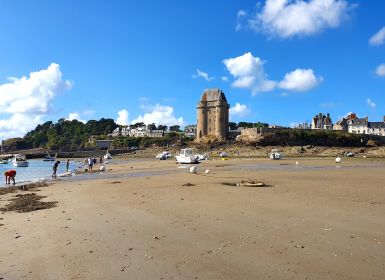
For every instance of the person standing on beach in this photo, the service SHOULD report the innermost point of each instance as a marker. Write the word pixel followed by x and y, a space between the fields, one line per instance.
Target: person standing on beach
pixel 9 175
pixel 90 163
pixel 55 168
pixel 68 165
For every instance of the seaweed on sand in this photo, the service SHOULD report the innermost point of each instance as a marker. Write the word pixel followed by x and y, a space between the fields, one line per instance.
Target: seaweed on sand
pixel 27 203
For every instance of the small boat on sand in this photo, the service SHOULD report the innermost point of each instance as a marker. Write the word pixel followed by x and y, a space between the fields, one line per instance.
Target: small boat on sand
pixel 163 155
pixel 107 155
pixel 275 154
pixel 186 156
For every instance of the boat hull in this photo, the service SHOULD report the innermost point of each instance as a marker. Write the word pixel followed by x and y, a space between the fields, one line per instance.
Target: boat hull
pixel 20 163
pixel 186 160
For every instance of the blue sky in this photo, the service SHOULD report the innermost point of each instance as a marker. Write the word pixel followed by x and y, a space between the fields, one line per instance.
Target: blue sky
pixel 278 61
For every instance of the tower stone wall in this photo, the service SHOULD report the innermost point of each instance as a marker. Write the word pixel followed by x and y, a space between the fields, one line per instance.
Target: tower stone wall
pixel 213 115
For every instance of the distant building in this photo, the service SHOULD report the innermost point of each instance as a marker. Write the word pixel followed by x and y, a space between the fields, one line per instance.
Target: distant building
pixel 343 123
pixel 363 126
pixel 142 131
pixel 321 121
pixel 213 115
pixel 304 125
pixel 190 130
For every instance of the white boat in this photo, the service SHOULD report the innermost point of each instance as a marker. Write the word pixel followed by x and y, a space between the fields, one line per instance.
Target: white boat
pixel 20 161
pixel 223 154
pixel 48 157
pixel 186 156
pixel 3 161
pixel 107 155
pixel 201 157
pixel 275 154
pixel 163 155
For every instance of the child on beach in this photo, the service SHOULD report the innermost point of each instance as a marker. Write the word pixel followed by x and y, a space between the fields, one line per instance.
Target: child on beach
pixel 55 168
pixel 10 175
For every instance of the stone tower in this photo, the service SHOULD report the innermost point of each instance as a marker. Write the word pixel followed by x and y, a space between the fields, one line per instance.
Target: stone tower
pixel 213 115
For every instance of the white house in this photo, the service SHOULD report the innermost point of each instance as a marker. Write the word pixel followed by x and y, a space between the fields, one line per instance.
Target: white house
pixel 363 126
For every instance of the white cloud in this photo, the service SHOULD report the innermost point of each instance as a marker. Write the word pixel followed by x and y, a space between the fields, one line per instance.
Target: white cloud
pixel 380 70
pixel 17 125
pixel 123 117
pixel 249 73
pixel 300 80
pixel 287 18
pixel 26 100
pixel 371 103
pixel 378 38
pixel 201 74
pixel 32 95
pixel 225 79
pixel 160 114
pixel 75 116
pixel 239 110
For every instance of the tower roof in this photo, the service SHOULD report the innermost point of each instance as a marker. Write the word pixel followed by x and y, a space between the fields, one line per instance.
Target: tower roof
pixel 213 95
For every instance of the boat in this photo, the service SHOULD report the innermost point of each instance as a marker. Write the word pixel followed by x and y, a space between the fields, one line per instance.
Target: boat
pixel 48 157
pixel 20 161
pixel 3 161
pixel 107 155
pixel 186 156
pixel 223 154
pixel 201 157
pixel 275 154
pixel 163 155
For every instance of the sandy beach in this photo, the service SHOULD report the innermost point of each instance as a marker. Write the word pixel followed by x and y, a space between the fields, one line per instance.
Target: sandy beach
pixel 313 220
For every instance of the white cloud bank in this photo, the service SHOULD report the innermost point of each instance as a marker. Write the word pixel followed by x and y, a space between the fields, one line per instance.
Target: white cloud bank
pixel 239 110
pixel 378 38
pixel 123 117
pixel 249 73
pixel 288 18
pixel 160 114
pixel 380 70
pixel 27 100
pixel 371 103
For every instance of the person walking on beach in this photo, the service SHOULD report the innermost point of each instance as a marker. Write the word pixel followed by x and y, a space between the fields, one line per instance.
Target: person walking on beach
pixel 9 175
pixel 68 165
pixel 55 168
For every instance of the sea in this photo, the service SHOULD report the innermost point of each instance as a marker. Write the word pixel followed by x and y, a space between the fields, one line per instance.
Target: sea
pixel 37 170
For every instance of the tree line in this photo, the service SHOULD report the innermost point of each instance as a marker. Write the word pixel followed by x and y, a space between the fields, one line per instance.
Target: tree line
pixel 72 135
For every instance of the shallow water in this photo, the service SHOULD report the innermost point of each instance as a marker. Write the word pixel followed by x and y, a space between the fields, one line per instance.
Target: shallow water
pixel 37 170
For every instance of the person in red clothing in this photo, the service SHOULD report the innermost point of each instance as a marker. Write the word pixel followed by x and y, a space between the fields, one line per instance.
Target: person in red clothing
pixel 10 175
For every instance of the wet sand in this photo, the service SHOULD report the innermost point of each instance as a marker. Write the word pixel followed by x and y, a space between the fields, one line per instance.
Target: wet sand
pixel 137 221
